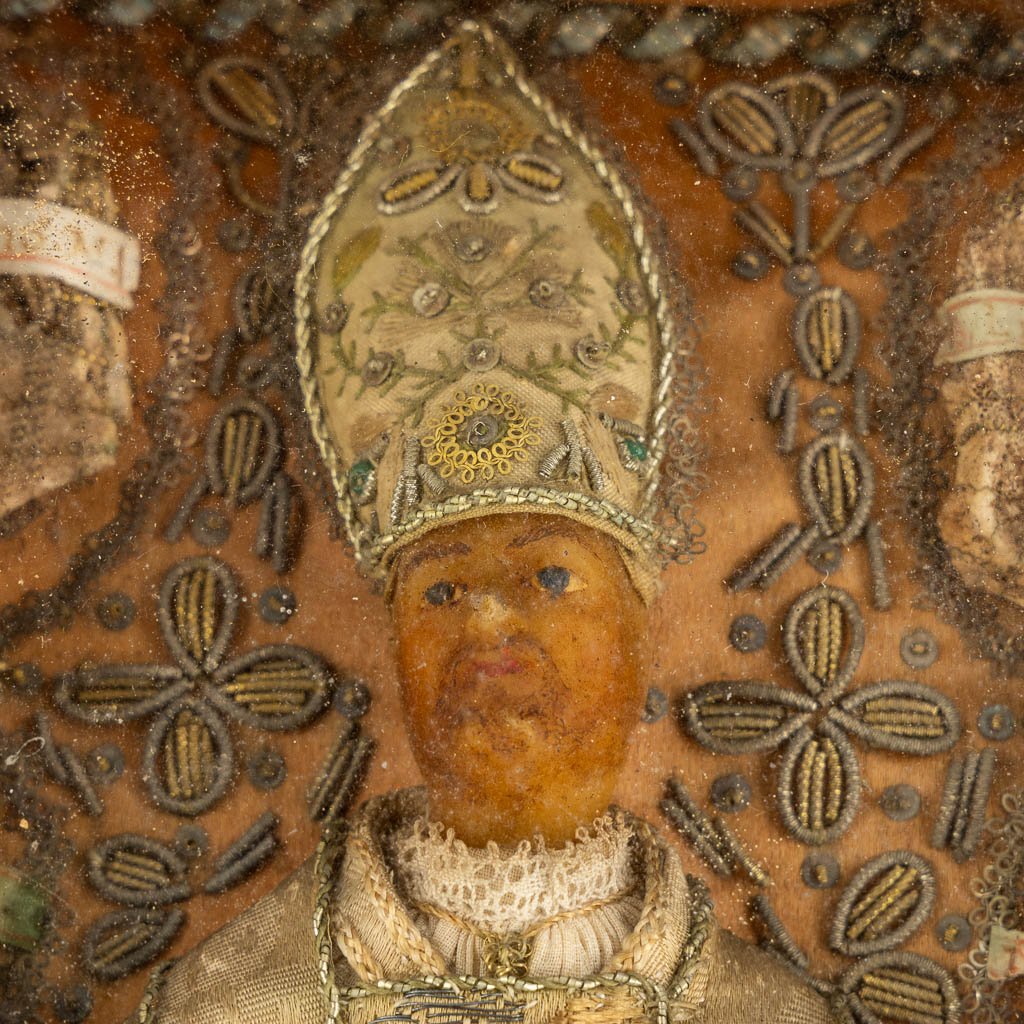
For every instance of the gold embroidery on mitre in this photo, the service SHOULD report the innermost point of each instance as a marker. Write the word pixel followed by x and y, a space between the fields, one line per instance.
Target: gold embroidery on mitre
pixel 475 301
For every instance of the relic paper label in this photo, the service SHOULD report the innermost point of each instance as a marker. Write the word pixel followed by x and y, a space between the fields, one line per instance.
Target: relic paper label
pixel 39 237
pixel 986 322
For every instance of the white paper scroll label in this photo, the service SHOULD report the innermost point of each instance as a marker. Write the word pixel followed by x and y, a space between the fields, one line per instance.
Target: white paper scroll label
pixel 985 322
pixel 39 237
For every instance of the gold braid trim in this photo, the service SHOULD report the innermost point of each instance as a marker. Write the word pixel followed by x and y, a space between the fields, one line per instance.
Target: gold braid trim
pixel 652 922
pixel 355 951
pixel 407 938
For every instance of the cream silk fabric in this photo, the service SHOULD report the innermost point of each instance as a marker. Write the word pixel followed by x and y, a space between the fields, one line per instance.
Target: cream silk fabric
pixel 261 967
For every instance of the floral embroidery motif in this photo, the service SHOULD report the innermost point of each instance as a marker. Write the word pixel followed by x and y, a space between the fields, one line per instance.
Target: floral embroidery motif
pixel 482 432
pixel 819 776
pixel 187 755
pixel 483 151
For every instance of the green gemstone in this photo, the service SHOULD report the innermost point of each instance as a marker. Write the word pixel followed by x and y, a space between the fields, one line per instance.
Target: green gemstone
pixel 636 448
pixel 23 910
pixel 358 476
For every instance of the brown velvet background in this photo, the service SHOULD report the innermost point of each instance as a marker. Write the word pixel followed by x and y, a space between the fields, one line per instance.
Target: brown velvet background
pixel 752 492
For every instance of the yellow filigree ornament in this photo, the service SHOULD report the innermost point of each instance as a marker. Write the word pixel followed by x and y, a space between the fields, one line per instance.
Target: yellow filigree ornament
pixel 483 432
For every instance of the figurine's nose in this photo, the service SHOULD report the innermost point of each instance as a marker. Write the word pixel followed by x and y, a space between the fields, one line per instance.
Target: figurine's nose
pixel 491 612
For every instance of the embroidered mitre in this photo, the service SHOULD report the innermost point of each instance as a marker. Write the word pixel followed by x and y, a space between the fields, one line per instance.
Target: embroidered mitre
pixel 482 325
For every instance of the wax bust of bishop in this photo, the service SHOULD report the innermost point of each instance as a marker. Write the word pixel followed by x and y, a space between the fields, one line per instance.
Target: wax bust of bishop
pixel 491 370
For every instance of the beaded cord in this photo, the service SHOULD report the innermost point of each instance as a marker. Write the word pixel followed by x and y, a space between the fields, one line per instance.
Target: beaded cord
pixel 779 934
pixel 274 527
pixel 788 546
pixel 248 852
pixel 961 814
pixel 861 412
pixel 712 838
pixel 152 992
pixel 339 774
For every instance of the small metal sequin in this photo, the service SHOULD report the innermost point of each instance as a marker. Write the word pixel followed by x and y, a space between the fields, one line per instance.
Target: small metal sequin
pixel 919 648
pixel 740 183
pixel 671 89
pixel 105 763
pixel 954 932
pixel 656 706
pixel 210 527
pixel 73 1004
pixel 819 871
pixel 472 248
pixel 266 769
pixel 116 611
pixel 996 722
pixel 235 235
pixel 482 355
pixel 825 413
pixel 352 698
pixel 430 299
pixel 591 352
pixel 747 633
pixel 377 369
pixel 856 251
pixel 750 265
pixel 730 793
pixel 277 605
pixel 900 802
pixel 191 841
pixel 481 430
pixel 546 294
pixel 826 557
pixel 632 296
pixel 801 279
pixel 333 317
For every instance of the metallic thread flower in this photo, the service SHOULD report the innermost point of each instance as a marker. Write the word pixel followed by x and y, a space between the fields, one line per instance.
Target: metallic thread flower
pixel 818 789
pixel 481 149
pixel 187 755
pixel 483 432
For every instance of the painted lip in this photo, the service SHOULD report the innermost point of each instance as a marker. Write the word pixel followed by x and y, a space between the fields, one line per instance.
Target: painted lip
pixel 505 665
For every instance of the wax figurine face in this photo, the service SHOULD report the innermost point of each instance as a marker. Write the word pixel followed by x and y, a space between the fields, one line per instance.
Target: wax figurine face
pixel 522 657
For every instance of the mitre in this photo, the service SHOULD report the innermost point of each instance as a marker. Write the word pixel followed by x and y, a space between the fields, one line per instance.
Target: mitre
pixel 482 324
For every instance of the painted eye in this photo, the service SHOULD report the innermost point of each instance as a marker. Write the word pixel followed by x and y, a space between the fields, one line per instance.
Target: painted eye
pixel 554 579
pixel 441 593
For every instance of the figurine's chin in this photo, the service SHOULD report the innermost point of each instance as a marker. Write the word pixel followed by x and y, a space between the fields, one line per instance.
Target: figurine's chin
pixel 524 732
